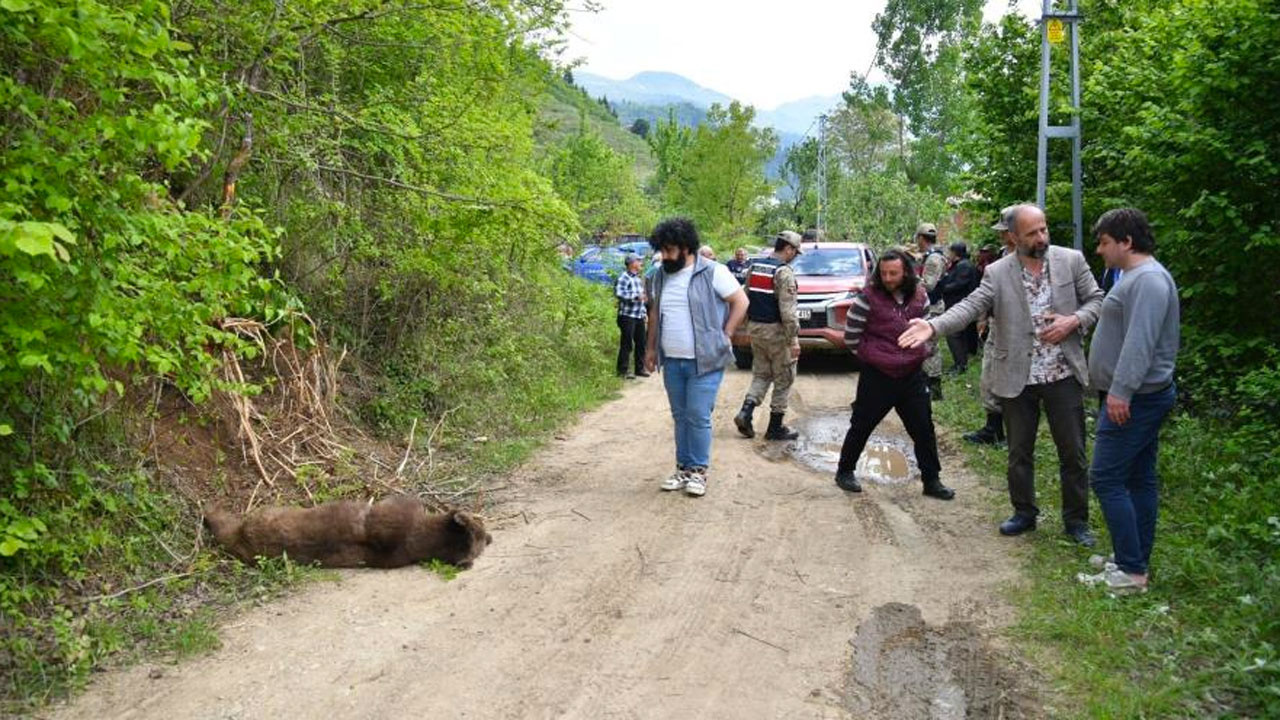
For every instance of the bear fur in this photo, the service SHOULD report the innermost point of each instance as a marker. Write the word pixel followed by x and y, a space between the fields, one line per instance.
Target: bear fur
pixel 394 532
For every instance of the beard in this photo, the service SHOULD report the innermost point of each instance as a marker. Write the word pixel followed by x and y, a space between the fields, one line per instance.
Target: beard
pixel 1035 251
pixel 674 266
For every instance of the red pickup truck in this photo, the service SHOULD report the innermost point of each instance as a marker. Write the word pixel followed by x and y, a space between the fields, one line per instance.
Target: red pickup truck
pixel 827 274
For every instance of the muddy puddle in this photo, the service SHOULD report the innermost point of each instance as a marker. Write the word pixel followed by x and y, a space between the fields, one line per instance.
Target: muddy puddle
pixel 887 460
pixel 904 668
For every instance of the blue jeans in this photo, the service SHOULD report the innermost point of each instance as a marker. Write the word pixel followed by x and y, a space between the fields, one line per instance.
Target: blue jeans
pixel 692 397
pixel 1123 476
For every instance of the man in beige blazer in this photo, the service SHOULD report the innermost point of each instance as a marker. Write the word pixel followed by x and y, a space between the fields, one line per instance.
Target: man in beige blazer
pixel 1044 299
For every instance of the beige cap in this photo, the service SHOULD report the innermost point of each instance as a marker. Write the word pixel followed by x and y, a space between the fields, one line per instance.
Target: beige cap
pixel 927 229
pixel 790 238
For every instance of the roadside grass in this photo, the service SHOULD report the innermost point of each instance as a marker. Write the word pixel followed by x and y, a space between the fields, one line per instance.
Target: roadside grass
pixel 1205 641
pixel 125 594
pixel 122 572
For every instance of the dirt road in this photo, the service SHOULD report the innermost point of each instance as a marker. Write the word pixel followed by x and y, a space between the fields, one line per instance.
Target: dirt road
pixel 776 595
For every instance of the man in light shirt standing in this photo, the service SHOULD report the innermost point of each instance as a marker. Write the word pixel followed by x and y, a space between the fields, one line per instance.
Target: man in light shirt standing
pixel 697 304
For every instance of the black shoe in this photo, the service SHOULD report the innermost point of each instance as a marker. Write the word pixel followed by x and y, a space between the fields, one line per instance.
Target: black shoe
pixel 642 373
pixel 1081 534
pixel 1017 525
pixel 848 482
pixel 990 434
pixel 778 431
pixel 935 489
pixel 743 419
pixel 982 436
pixel 935 389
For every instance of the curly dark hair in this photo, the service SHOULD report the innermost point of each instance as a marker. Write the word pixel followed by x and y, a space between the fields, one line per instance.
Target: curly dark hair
pixel 677 232
pixel 909 278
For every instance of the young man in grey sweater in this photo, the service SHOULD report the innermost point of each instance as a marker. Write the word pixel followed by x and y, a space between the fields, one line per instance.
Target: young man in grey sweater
pixel 1131 359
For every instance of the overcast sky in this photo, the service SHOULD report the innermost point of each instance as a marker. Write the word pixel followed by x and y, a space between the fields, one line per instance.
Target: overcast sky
pixel 765 57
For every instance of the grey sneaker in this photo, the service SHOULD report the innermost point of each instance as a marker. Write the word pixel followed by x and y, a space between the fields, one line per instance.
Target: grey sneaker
pixel 1120 582
pixel 676 481
pixel 696 482
pixel 1115 580
pixel 1100 563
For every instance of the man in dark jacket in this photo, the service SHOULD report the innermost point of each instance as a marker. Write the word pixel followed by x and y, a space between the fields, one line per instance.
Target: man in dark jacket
pixel 957 282
pixel 892 378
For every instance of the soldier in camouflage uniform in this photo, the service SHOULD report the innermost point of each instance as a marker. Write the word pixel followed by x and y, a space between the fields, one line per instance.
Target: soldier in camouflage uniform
pixel 775 336
pixel 933 264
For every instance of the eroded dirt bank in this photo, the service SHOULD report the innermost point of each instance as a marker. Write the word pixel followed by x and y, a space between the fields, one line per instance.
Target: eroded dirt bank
pixel 776 595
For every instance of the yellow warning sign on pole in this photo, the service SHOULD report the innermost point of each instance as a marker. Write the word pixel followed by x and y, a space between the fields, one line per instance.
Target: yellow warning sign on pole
pixel 1056 31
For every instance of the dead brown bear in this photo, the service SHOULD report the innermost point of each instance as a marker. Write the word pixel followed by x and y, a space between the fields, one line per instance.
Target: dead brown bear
pixel 391 533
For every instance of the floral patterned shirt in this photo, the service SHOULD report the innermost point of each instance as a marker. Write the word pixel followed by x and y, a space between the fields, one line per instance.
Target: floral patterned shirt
pixel 1048 362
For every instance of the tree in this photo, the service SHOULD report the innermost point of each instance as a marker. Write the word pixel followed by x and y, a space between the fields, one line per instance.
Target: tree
pixel 919 47
pixel 720 181
pixel 640 127
pixel 598 184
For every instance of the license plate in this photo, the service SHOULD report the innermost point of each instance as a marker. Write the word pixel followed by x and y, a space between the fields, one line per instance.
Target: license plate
pixel 802 313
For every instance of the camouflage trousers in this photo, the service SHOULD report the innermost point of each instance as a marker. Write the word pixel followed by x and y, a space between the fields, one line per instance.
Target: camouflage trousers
pixel 771 363
pixel 933 364
pixel 990 402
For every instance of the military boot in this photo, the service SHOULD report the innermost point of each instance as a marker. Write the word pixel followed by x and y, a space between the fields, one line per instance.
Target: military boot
pixel 744 417
pixel 778 431
pixel 990 434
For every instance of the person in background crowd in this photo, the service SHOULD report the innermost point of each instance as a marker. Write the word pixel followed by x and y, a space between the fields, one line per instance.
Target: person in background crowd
pixel 960 279
pixel 1044 298
pixel 775 336
pixel 738 265
pixel 697 305
pixel 986 256
pixel 891 379
pixel 1132 357
pixel 632 313
pixel 706 252
pixel 992 433
pixel 932 264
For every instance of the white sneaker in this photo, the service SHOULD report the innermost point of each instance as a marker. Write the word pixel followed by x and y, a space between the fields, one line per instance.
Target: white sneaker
pixel 696 482
pixel 676 481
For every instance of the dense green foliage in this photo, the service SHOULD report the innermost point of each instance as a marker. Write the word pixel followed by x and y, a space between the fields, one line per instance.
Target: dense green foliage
pixel 1180 108
pixel 714 173
pixel 374 165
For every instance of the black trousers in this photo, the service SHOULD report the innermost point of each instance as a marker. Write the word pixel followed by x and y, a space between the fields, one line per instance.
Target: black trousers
pixel 909 397
pixel 1063 403
pixel 963 345
pixel 634 336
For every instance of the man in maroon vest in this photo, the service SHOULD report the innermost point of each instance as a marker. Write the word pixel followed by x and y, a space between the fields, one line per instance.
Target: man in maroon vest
pixel 892 377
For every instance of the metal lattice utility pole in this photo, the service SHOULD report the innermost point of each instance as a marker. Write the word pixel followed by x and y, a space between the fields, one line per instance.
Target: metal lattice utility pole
pixel 1053 25
pixel 822 172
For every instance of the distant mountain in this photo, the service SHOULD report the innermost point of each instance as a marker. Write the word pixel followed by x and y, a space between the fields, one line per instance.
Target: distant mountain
pixel 652 95
pixel 650 88
pixel 686 113
pixel 647 94
pixel 797 116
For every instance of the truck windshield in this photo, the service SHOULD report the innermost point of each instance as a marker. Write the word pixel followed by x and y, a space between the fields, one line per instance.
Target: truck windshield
pixel 834 262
